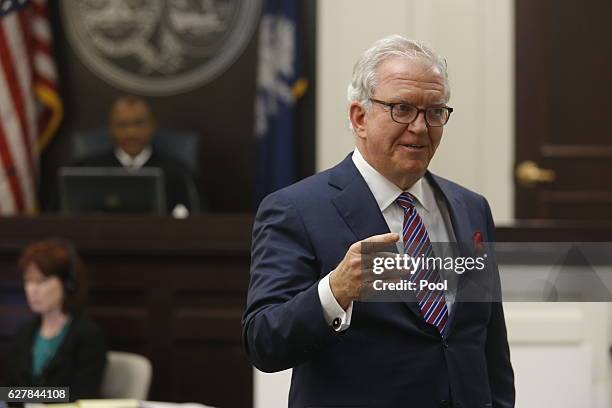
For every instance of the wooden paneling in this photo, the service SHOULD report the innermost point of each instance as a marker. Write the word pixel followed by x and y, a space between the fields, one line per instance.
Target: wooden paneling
pixel 171 290
pixel 555 231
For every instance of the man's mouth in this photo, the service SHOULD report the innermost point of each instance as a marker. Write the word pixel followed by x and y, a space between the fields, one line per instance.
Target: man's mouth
pixel 414 146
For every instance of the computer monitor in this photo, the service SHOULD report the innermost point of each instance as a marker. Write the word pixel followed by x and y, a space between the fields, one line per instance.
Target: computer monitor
pixel 112 190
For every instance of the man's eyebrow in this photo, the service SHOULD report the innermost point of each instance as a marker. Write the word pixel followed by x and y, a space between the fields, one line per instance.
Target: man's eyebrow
pixel 399 99
pixel 436 104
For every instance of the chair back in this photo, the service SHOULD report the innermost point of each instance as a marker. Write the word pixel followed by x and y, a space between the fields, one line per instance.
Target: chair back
pixel 181 146
pixel 127 375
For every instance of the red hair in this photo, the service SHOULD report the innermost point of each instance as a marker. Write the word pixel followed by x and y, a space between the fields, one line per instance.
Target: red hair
pixel 57 258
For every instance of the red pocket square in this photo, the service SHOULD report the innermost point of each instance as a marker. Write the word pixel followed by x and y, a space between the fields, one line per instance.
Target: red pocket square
pixel 477 240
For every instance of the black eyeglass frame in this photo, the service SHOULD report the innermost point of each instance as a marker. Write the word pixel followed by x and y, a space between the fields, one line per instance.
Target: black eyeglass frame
pixel 392 105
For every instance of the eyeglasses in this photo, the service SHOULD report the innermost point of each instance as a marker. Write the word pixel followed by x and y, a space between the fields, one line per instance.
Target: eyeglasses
pixel 404 113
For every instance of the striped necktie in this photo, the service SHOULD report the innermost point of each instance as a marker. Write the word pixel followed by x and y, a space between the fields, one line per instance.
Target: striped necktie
pixel 416 243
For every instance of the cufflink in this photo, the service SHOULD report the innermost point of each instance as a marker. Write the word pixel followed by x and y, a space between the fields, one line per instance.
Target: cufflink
pixel 336 323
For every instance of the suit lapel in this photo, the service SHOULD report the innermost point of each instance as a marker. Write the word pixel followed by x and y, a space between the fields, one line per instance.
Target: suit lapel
pixel 358 207
pixel 355 202
pixel 463 230
pixel 458 212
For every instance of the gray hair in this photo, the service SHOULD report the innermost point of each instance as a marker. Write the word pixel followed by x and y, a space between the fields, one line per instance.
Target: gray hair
pixel 364 81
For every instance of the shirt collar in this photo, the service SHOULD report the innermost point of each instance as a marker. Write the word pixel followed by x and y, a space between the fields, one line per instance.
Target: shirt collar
pixel 385 192
pixel 135 162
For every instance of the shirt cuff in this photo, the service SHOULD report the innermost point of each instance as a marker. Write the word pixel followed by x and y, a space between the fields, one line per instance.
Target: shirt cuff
pixel 336 317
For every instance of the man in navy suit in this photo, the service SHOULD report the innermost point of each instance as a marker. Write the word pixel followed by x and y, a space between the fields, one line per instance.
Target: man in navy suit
pixel 304 308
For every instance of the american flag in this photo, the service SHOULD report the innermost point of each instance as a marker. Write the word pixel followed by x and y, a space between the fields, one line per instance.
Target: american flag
pixel 30 106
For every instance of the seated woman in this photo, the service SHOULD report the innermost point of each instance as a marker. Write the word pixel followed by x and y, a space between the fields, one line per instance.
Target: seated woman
pixel 59 347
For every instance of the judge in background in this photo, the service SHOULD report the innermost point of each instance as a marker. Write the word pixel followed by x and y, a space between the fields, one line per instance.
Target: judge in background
pixel 59 347
pixel 131 128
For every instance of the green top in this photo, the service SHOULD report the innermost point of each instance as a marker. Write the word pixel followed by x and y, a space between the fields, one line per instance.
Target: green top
pixel 44 349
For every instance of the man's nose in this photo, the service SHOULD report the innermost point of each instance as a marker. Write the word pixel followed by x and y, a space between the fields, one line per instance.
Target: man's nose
pixel 419 124
pixel 132 131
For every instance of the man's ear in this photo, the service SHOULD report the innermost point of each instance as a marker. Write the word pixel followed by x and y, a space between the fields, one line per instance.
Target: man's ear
pixel 357 116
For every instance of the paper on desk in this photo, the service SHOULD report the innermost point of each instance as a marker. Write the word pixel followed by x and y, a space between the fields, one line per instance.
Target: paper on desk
pixel 107 403
pixel 66 405
pixel 157 404
pixel 92 403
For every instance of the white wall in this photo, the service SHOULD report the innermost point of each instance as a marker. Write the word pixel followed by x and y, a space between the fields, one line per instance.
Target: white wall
pixel 475 36
pixel 560 354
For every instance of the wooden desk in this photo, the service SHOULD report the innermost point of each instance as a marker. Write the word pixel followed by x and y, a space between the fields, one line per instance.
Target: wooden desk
pixel 172 290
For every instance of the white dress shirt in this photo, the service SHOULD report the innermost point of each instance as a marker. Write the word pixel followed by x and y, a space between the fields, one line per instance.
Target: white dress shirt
pixel 136 162
pixel 432 210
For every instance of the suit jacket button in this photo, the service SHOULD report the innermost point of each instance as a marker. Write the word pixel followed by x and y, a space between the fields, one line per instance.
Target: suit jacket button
pixel 443 404
pixel 336 323
pixel 445 344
